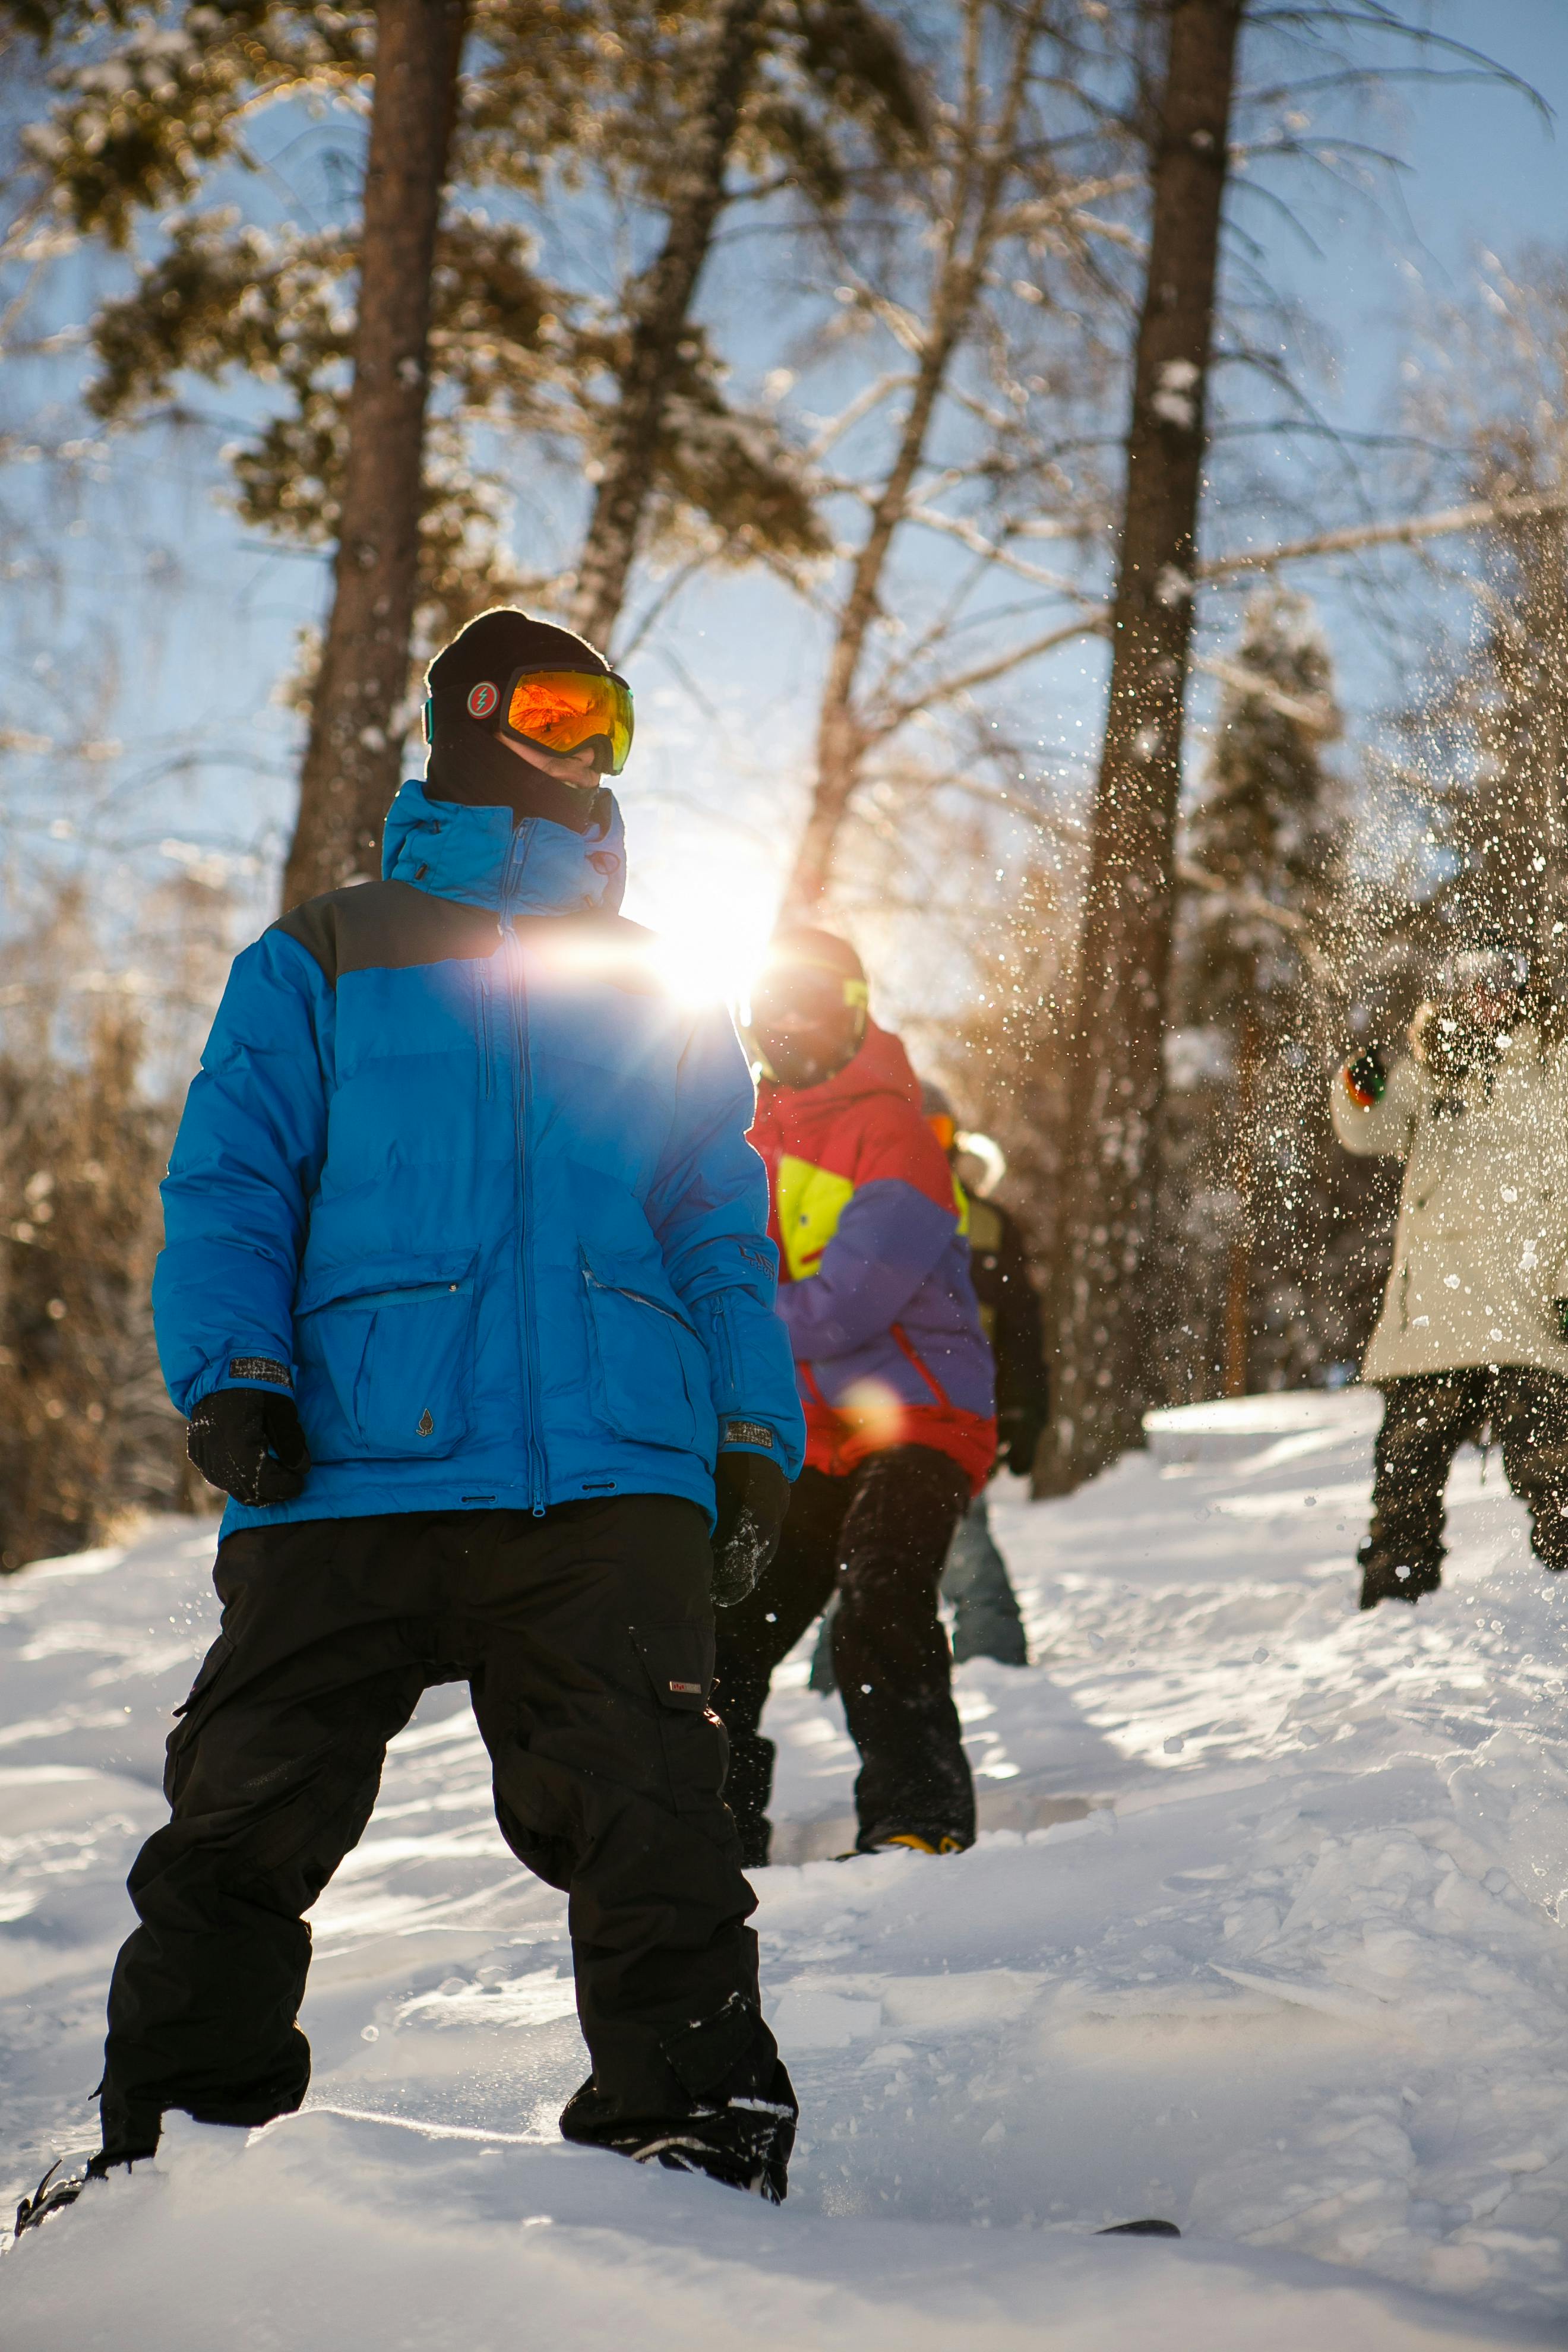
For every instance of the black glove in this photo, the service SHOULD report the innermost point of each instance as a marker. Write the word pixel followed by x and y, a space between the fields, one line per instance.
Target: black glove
pixel 1367 1076
pixel 1019 1429
pixel 753 1495
pixel 250 1442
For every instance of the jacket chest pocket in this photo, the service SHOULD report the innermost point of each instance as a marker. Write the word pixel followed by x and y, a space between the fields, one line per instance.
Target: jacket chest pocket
pixel 648 1370
pixel 385 1357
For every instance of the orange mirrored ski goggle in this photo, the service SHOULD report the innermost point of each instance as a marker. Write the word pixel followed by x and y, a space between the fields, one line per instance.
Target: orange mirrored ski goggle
pixel 566 710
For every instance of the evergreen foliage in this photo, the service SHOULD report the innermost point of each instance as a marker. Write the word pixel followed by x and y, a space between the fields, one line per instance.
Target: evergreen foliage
pixel 1497 739
pixel 151 146
pixel 1482 756
pixel 1263 1220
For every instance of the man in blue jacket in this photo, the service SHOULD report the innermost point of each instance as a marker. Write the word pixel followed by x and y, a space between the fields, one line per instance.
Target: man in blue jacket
pixel 466 1291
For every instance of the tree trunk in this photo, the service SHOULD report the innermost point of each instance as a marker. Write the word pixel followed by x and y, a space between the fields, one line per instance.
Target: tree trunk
pixel 351 764
pixel 1116 1079
pixel 1238 1266
pixel 659 317
pixel 841 746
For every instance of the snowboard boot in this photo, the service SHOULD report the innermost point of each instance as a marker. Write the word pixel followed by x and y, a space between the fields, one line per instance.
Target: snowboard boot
pixel 48 2199
pixel 744 2144
pixel 1386 1577
pixel 926 1841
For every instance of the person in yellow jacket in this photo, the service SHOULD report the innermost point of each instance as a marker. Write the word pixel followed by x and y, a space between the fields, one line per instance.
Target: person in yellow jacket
pixel 1474 1328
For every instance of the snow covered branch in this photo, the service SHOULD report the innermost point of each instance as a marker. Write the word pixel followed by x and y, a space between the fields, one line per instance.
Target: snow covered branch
pixel 1477 514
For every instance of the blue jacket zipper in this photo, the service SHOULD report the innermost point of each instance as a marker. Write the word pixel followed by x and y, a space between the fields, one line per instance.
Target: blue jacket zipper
pixel 524 1176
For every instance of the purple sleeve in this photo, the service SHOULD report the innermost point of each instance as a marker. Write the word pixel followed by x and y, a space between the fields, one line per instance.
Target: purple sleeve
pixel 888 1239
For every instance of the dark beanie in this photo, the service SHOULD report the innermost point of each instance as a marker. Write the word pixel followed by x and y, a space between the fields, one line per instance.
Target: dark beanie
pixel 503 640
pixel 817 950
pixel 469 763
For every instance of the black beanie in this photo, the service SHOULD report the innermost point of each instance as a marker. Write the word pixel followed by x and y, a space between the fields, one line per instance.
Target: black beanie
pixel 503 640
pixel 469 763
pixel 801 943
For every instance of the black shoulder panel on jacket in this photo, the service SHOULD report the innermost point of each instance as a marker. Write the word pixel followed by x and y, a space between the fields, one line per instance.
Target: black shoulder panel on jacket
pixel 387 926
pixel 391 926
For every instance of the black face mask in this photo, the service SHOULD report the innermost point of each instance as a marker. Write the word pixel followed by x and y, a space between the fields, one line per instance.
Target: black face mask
pixel 471 766
pixel 801 1057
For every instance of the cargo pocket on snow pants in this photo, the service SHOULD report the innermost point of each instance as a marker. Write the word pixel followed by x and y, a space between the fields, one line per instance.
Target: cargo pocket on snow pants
pixel 678 1662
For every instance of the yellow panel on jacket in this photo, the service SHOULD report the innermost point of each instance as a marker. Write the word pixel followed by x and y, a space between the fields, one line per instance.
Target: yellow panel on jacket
pixel 809 1200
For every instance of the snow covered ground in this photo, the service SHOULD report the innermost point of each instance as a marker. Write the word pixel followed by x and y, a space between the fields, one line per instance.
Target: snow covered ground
pixel 1262 1933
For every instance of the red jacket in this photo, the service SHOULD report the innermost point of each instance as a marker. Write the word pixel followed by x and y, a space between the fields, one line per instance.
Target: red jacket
pixel 875 1287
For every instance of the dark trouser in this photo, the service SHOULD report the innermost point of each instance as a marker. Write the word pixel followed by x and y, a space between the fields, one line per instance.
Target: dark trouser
pixel 1425 1422
pixel 986 1619
pixel 882 1534
pixel 586 1638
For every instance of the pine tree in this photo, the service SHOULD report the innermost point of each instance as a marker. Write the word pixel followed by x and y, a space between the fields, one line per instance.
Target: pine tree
pixel 1248 1163
pixel 581 102
pixel 1497 738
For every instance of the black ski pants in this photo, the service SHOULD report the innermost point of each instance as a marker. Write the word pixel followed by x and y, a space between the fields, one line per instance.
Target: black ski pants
pixel 586 1638
pixel 1425 1422
pixel 881 1535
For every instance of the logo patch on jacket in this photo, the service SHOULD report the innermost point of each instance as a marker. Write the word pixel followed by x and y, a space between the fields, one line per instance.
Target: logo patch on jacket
pixel 748 1432
pixel 427 1427
pixel 687 1690
pixel 260 1368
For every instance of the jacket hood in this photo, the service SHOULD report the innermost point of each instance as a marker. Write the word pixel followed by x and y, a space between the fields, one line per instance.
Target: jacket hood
pixel 482 858
pixel 878 1065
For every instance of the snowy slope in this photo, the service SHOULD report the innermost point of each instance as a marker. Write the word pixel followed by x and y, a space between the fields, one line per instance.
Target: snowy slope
pixel 1261 1933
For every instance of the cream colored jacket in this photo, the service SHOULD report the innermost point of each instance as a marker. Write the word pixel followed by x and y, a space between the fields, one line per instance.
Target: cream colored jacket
pixel 1481 1250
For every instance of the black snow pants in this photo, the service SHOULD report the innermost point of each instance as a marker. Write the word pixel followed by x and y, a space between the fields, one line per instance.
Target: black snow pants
pixel 1425 1420
pixel 586 1638
pixel 881 1534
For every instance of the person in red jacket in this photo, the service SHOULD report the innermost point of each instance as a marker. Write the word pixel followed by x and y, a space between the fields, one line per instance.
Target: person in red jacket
pixel 896 1383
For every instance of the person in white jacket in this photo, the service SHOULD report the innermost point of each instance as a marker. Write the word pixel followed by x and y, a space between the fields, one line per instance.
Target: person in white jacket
pixel 1474 1328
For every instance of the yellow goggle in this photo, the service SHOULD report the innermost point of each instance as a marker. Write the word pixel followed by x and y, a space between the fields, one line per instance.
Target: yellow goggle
pixel 563 710
pixel 810 992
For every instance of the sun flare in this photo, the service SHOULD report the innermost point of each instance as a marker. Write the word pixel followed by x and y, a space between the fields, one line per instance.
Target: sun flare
pixel 711 926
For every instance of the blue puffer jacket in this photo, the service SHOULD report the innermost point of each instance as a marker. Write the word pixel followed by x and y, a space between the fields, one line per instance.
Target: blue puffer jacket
pixel 462 1173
